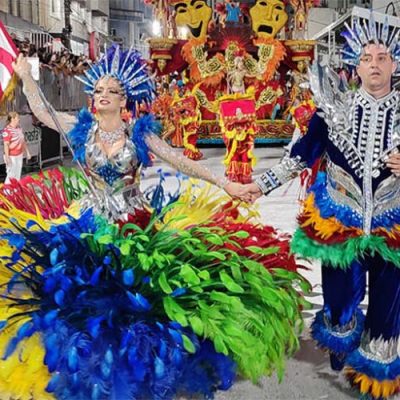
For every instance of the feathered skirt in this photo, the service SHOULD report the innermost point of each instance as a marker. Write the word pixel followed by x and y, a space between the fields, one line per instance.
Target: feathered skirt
pixel 160 304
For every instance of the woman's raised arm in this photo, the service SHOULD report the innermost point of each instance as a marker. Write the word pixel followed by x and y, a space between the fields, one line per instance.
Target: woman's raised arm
pixel 38 106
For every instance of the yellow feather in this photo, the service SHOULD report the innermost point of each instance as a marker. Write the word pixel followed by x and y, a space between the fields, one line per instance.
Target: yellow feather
pixel 23 375
pixel 378 389
pixel 324 227
pixel 199 205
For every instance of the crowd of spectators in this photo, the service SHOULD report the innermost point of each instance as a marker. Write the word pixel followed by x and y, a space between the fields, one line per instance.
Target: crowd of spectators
pixel 58 61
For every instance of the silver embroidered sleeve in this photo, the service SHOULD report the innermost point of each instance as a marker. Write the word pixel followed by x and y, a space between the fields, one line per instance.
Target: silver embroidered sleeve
pixel 40 109
pixel 181 163
pixel 287 169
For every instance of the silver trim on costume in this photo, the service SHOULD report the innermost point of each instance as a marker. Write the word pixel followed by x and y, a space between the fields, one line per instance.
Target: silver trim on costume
pixel 342 188
pixel 387 195
pixel 380 350
pixel 341 331
pixel 287 169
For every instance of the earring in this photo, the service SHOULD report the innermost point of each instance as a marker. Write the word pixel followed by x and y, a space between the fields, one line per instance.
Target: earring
pixel 93 108
pixel 125 115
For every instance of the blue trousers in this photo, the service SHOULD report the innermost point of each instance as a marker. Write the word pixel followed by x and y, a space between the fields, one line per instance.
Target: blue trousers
pixel 366 345
pixel 344 290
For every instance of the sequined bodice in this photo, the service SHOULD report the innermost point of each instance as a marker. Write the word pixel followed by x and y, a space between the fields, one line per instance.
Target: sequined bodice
pixel 114 178
pixel 121 165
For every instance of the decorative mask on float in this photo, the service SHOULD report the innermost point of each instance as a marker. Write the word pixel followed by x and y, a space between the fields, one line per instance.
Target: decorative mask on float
pixel 268 17
pixel 194 15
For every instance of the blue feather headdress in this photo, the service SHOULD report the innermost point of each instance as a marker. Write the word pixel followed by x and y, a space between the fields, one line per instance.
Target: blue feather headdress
pixel 129 68
pixel 364 33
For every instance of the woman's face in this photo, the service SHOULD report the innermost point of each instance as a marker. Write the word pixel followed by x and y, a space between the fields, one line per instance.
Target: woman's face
pixel 108 95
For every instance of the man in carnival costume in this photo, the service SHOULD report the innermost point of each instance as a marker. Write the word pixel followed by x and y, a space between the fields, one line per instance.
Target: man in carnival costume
pixel 351 216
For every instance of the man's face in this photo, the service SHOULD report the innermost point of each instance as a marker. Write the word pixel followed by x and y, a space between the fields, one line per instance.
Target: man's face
pixel 194 15
pixel 268 17
pixel 376 68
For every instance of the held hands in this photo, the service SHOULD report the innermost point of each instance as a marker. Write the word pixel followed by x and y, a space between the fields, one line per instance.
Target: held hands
pixel 393 163
pixel 253 192
pixel 21 66
pixel 248 193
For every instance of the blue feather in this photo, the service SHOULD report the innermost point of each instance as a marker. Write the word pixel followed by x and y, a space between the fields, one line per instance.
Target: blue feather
pixel 50 317
pixel 66 283
pixel 128 277
pixel 159 367
pixel 26 330
pixel 96 393
pixel 73 360
pixel 15 240
pixel 94 279
pixel 143 302
pixel 49 285
pixel 109 358
pixel 107 260
pixel 178 292
pixel 143 127
pixel 93 326
pixel 138 302
pixel 54 256
pixel 78 135
pixel 176 336
pixel 51 357
pixel 53 383
pixel 59 297
pixel 12 345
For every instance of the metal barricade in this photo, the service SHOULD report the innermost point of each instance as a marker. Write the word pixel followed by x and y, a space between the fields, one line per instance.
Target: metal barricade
pixel 63 92
pixel 66 94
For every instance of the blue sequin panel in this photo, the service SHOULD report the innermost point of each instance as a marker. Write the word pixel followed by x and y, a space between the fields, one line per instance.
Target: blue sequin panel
pixel 109 173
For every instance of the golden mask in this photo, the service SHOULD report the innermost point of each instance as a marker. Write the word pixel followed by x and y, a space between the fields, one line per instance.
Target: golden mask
pixel 194 15
pixel 268 17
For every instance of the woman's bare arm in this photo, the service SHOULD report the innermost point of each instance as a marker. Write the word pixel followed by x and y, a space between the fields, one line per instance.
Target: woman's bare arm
pixel 36 103
pixel 193 168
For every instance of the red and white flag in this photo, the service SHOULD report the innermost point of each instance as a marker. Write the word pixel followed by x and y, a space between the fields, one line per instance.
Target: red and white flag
pixel 8 53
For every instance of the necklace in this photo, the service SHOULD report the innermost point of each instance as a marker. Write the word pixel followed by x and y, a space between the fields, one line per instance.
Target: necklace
pixel 113 136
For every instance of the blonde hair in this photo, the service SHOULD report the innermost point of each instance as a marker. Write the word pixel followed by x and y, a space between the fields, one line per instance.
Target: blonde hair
pixel 11 115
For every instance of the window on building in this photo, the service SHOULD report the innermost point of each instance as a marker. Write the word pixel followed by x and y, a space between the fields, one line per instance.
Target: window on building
pixel 55 8
pixel 15 7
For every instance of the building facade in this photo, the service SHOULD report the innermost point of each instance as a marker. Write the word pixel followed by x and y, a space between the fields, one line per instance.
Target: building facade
pixel 130 24
pixel 70 20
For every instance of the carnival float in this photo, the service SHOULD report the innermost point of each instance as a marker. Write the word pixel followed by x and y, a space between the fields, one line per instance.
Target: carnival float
pixel 240 73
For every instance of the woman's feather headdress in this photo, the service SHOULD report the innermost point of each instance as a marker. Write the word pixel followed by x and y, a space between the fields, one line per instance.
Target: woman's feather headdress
pixel 129 68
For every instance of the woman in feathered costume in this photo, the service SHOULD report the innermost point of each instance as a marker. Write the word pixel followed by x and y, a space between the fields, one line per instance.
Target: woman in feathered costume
pixel 103 300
